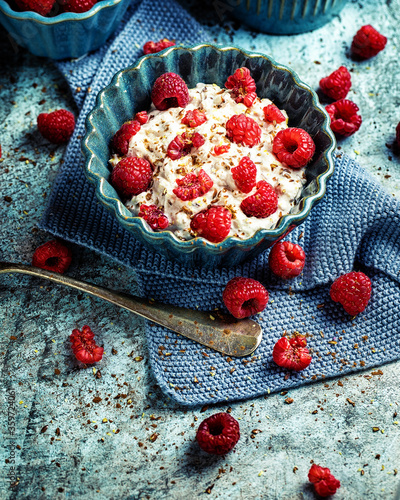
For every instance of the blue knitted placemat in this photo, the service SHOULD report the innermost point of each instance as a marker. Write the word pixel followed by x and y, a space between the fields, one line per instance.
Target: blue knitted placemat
pixel 356 226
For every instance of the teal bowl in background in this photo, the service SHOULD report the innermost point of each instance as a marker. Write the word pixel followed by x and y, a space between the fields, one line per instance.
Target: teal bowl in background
pixel 68 35
pixel 129 92
pixel 285 17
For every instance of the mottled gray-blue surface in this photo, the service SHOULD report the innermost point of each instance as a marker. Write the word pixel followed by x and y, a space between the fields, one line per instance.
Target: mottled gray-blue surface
pixel 114 434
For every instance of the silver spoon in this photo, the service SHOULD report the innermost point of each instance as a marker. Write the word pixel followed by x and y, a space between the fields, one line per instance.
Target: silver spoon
pixel 218 331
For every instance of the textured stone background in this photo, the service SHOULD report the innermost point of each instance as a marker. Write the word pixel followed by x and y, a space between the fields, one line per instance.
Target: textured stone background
pixel 116 435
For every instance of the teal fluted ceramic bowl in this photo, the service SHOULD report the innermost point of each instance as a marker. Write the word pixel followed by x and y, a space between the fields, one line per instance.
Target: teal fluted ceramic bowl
pixel 129 92
pixel 68 35
pixel 285 17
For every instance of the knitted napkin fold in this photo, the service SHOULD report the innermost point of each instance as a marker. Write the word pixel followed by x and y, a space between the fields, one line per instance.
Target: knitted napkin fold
pixel 355 226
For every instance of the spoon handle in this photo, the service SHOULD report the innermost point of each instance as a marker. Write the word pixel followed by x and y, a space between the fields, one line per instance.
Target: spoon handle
pixel 219 332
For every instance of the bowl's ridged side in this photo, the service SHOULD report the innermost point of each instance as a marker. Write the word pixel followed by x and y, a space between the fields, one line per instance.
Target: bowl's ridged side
pixel 129 92
pixel 285 16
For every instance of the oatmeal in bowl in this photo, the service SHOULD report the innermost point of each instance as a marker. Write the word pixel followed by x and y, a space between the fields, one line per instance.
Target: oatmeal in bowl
pixel 210 151
pixel 217 168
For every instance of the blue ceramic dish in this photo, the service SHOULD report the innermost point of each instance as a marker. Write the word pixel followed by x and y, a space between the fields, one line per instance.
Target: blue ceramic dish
pixel 129 92
pixel 285 17
pixel 68 35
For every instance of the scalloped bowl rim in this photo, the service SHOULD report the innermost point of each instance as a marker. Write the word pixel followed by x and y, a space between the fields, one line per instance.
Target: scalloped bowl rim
pixel 189 246
pixel 65 16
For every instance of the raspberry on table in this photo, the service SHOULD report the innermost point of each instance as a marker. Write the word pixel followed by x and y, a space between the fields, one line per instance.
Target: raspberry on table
pixel 53 256
pixel 325 483
pixel 218 434
pixel 213 224
pixel 84 347
pixel 243 86
pixel 182 144
pixel 245 175
pixel 344 118
pixel 292 353
pixel 77 6
pixel 194 118
pixel 192 186
pixel 273 114
pixel 153 47
pixel 170 91
pixel 353 291
pixel 244 297
pixel 261 204
pixel 131 176
pixel 220 150
pixel 42 7
pixel 367 42
pixel 242 129
pixel 57 127
pixel 337 84
pixel 154 216
pixel 293 146
pixel 142 117
pixel 286 259
pixel 122 137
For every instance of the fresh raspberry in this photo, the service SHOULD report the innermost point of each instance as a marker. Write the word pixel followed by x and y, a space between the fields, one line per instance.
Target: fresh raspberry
pixel 218 434
pixel 154 216
pixel 169 91
pixel 367 42
pixel 142 117
pixel 42 7
pixel 77 6
pixel 293 146
pixel 244 297
pixel 243 86
pixel 353 291
pixel 53 256
pixel 194 118
pixel 153 47
pixel 220 150
pixel 212 224
pixel 344 118
pixel 84 347
pixel 122 137
pixel 57 127
pixel 182 144
pixel 131 176
pixel 243 130
pixel 337 84
pixel 325 484
pixel 245 175
pixel 292 353
pixel 273 114
pixel 261 204
pixel 192 186
pixel 286 259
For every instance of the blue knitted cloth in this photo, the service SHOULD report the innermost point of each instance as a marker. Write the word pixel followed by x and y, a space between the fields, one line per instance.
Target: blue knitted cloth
pixel 356 226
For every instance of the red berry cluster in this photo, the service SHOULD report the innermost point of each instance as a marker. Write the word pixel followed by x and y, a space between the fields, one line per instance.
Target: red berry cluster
pixel 153 47
pixel 192 186
pixel 131 176
pixel 182 144
pixel 54 7
pixel 53 256
pixel 243 86
pixel 57 127
pixel 367 42
pixel 154 216
pixel 84 347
